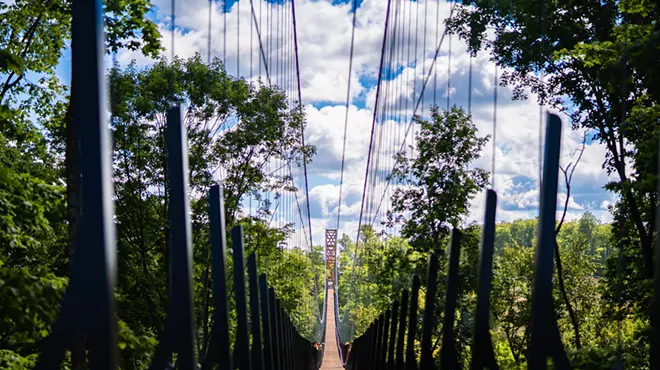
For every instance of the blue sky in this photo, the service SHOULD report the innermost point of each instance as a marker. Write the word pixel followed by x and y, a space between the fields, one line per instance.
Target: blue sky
pixel 324 30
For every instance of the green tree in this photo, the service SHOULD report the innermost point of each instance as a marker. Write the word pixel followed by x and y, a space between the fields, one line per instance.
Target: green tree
pixel 375 274
pixel 578 286
pixel 597 65
pixel 234 128
pixel 35 33
pixel 512 282
pixel 518 232
pixel 511 303
pixel 372 276
pixel 291 273
pixel 33 37
pixel 439 182
pixel 597 236
pixel 29 289
pixel 230 123
pixel 597 61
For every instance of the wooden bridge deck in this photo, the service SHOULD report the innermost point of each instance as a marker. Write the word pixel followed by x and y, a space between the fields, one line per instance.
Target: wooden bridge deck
pixel 331 354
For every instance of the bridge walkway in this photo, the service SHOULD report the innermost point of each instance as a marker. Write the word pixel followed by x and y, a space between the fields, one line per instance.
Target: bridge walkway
pixel 331 353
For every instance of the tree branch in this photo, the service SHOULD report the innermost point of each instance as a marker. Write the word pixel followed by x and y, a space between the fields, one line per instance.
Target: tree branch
pixel 568 177
pixel 626 193
pixel 29 35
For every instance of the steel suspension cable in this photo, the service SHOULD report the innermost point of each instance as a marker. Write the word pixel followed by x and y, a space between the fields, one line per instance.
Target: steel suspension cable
pixel 396 60
pixel 269 25
pixel 348 101
pixel 173 26
pixel 283 64
pixel 406 51
pixel 238 39
pixel 375 151
pixel 470 86
pixel 414 90
pixel 408 44
pixel 411 122
pixel 292 31
pixel 412 154
pixel 257 27
pixel 400 22
pixel 426 16
pixel 208 46
pixel 251 43
pixel 278 48
pixel 415 60
pixel 386 110
pixel 369 153
pixel 543 32
pixel 281 59
pixel 435 72
pixel 224 33
pixel 495 83
pixel 375 183
pixel 394 88
pixel 261 45
pixel 392 45
pixel 302 128
pixel 373 124
pixel 449 73
pixel 401 112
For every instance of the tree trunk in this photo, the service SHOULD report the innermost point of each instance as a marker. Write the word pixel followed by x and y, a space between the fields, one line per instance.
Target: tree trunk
pixel 634 210
pixel 560 273
pixel 73 197
pixel 569 306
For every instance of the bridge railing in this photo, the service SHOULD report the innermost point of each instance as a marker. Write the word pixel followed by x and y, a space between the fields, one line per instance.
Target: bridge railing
pixel 342 336
pixel 319 334
pixel 265 335
pixel 278 345
pixel 389 342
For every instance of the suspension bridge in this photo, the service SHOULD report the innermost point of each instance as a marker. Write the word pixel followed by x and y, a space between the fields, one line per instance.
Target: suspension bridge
pixel 264 335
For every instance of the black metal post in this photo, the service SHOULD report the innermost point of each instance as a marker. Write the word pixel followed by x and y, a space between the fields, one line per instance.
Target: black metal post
pixel 257 353
pixel 242 345
pixel 287 336
pixel 400 344
pixel 382 356
pixel 545 340
pixel 448 354
pixel 88 304
pixel 219 350
pixel 426 360
pixel 373 359
pixel 483 355
pixel 365 355
pixel 276 333
pixel 392 339
pixel 411 361
pixel 265 314
pixel 281 338
pixel 179 332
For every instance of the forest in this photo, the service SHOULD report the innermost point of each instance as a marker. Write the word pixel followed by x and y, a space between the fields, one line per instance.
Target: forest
pixel 388 264
pixel 595 63
pixel 40 193
pixel 601 72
